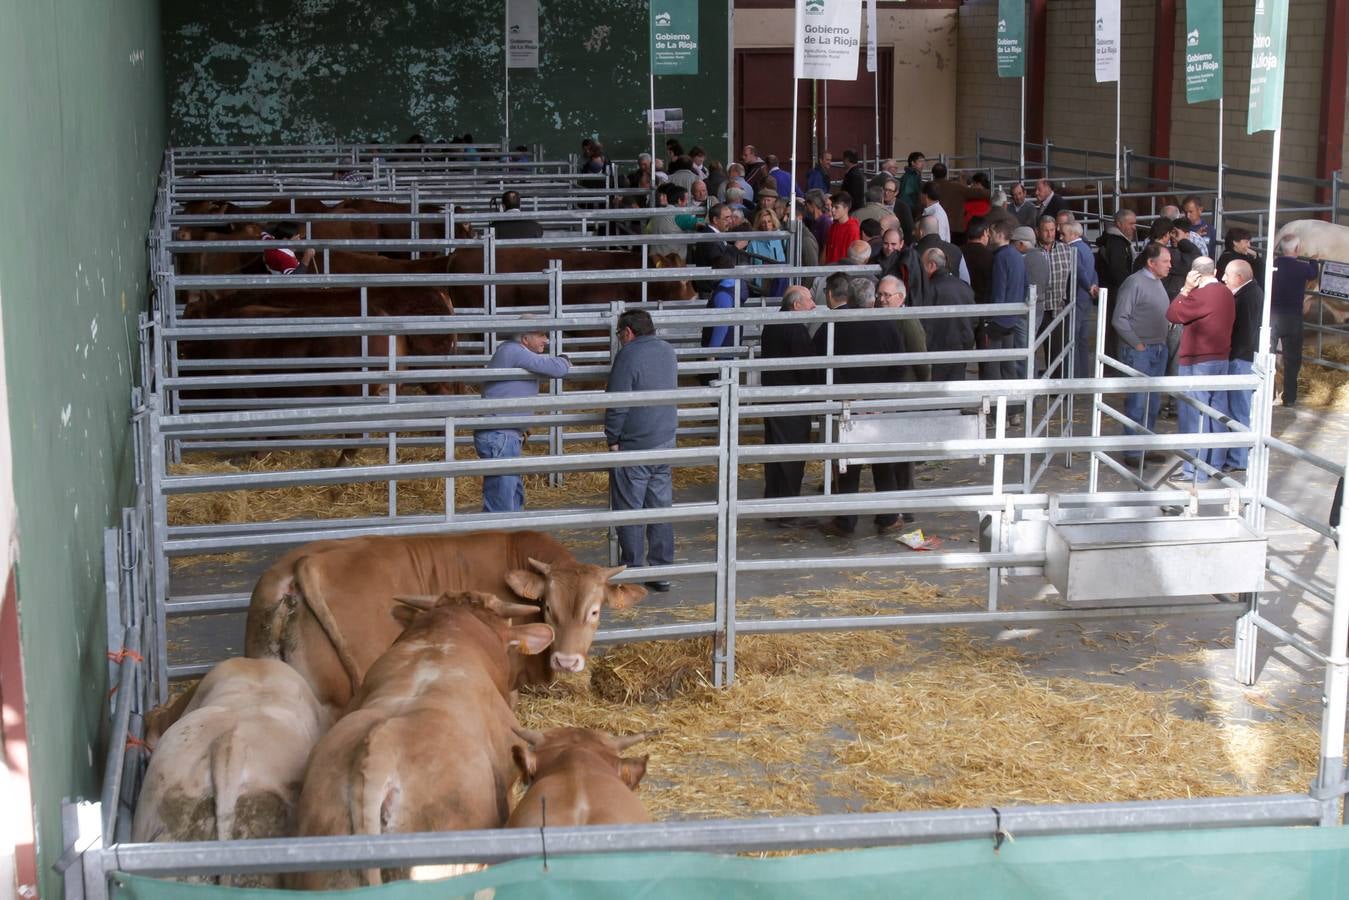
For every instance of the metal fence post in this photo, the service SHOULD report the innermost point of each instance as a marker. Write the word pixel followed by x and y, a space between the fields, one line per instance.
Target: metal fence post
pixel 731 379
pixel 556 446
pixel 721 607
pixel 449 479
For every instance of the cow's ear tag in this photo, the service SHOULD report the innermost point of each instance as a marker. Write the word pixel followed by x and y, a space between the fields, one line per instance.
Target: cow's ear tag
pixel 527 584
pixel 632 768
pixel 530 639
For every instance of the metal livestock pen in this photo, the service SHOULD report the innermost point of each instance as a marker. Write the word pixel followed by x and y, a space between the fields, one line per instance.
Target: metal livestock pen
pixel 1025 528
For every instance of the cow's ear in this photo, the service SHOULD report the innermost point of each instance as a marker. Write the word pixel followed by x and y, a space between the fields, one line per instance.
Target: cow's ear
pixel 525 761
pixel 621 596
pixel 632 768
pixel 527 584
pixel 403 614
pixel 530 639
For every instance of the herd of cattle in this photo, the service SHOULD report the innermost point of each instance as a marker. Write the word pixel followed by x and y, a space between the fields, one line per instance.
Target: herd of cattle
pixel 376 696
pixel 402 300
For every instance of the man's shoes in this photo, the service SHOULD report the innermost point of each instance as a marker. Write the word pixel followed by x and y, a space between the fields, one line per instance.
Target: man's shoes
pixel 907 517
pixel 1234 468
pixel 660 587
pixel 891 528
pixel 1156 456
pixel 833 529
pixel 793 522
pixel 1180 483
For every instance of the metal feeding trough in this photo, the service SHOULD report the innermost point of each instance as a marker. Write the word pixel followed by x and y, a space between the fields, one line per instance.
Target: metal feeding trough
pixel 923 427
pixel 1135 559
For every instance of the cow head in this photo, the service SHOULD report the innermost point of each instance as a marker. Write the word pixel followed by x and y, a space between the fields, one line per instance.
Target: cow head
pixel 670 290
pixel 541 752
pixel 571 595
pixel 423 610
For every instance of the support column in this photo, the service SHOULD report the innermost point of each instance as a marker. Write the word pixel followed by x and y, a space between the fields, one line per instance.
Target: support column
pixel 1163 79
pixel 1330 133
pixel 1035 77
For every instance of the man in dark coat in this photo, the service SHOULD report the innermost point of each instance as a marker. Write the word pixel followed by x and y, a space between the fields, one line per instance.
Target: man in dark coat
pixel 854 179
pixel 788 340
pixel 866 339
pixel 950 334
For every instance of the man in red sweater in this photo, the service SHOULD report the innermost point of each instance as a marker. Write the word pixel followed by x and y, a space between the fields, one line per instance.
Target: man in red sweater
pixel 1207 309
pixel 843 232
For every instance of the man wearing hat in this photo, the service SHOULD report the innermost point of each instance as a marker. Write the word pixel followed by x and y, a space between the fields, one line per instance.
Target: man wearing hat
pixel 1037 273
pixel 767 197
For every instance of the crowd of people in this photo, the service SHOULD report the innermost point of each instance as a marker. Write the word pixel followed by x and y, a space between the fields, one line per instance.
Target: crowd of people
pixel 1171 307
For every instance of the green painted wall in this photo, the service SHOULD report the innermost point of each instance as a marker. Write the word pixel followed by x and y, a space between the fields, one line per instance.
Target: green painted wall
pixel 313 71
pixel 81 102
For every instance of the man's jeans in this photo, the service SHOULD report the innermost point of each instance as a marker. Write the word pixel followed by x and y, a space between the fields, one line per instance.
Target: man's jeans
pixel 1239 407
pixel 1190 421
pixel 643 487
pixel 1085 331
pixel 1143 408
pixel 500 493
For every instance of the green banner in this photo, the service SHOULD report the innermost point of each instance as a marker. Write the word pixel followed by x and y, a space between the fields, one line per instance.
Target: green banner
pixel 1203 50
pixel 1267 64
pixel 1011 38
pixel 674 37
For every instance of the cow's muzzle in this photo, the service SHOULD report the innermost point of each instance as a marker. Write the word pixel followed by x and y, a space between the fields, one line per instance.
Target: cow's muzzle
pixel 568 662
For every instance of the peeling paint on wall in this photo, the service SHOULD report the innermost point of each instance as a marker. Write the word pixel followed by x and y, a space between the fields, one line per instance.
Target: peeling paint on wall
pixel 316 71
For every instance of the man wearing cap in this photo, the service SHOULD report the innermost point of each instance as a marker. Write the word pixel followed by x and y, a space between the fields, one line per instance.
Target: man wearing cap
pixel 1037 273
pixel 768 196
pixel 282 260
pixel 506 493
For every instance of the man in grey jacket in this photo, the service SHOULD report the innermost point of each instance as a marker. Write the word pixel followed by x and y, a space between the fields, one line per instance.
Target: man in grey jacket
pixel 1140 322
pixel 643 363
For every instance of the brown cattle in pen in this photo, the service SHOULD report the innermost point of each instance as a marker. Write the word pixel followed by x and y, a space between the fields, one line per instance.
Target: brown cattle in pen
pixel 402 301
pixel 324 607
pixel 578 776
pixel 428 743
pixel 229 758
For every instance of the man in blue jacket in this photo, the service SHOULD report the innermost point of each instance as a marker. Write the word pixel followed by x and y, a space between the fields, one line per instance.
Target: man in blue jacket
pixel 1085 297
pixel 643 363
pixel 1009 284
pixel 506 493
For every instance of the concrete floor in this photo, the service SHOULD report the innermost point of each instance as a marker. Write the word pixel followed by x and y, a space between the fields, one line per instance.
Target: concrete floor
pixel 1123 651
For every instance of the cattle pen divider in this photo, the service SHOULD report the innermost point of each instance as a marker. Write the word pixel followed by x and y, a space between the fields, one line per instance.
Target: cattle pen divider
pixel 718 423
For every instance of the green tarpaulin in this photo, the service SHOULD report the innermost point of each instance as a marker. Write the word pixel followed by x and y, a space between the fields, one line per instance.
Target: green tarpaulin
pixel 1268 863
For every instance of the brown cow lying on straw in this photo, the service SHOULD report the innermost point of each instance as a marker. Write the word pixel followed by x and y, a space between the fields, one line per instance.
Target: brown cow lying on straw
pixel 576 776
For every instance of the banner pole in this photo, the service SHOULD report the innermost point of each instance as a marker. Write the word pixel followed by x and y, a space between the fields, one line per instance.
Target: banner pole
pixel 1118 82
pixel 1270 249
pixel 1218 200
pixel 796 111
pixel 506 60
pixel 652 176
pixel 1021 166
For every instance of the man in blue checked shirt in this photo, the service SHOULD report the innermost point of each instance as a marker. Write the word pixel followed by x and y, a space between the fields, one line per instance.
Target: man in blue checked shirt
pixel 528 351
